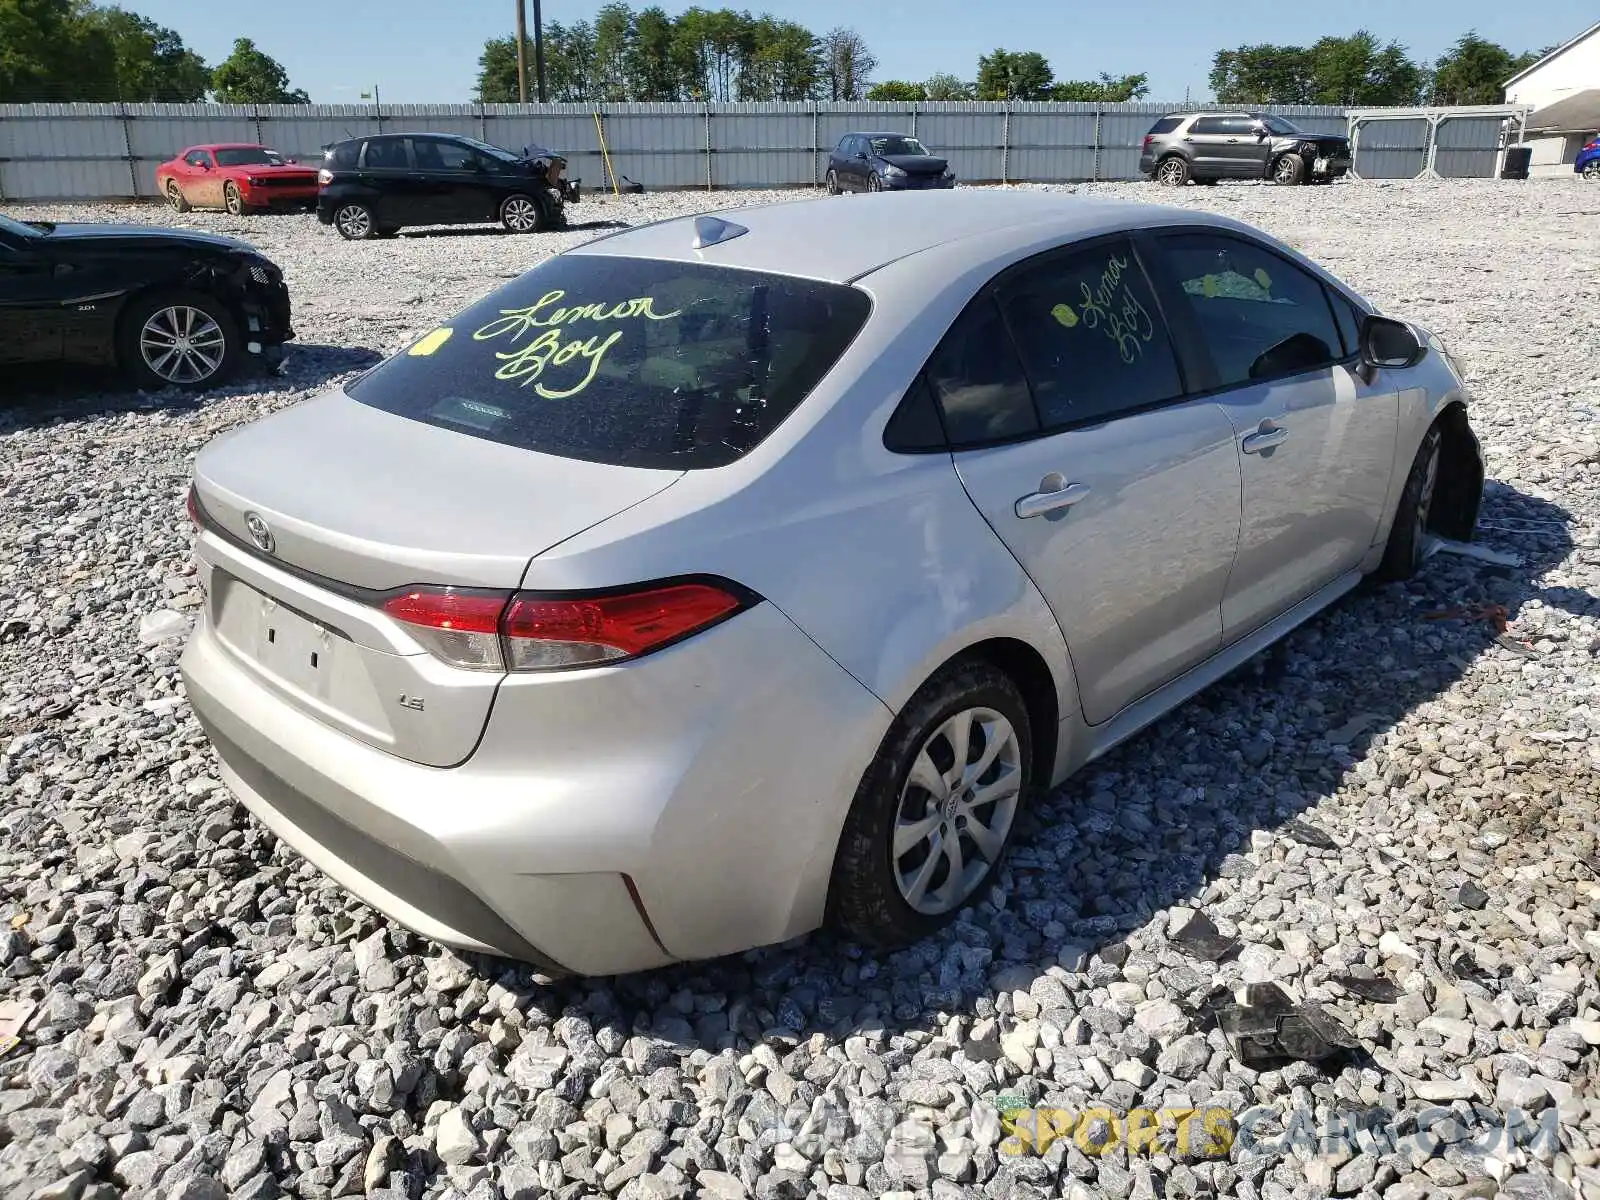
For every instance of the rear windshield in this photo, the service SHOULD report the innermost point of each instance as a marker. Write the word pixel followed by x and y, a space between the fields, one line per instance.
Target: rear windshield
pixel 1166 125
pixel 627 361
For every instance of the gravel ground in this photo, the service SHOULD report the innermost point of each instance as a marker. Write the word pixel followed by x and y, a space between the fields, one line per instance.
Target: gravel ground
pixel 1386 796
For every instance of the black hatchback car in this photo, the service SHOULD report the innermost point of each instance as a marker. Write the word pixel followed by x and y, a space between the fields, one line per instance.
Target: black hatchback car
pixel 374 186
pixel 885 162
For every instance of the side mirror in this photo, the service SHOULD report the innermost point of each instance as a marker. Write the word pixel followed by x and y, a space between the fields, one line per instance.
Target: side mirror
pixel 1386 342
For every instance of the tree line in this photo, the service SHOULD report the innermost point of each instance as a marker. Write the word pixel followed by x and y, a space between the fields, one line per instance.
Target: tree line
pixel 76 50
pixel 66 51
pixel 1361 70
pixel 700 55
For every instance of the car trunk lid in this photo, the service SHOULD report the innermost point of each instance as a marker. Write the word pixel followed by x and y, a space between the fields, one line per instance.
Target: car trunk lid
pixel 312 516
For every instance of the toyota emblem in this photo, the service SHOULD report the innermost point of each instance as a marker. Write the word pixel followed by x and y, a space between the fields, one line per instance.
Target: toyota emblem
pixel 260 534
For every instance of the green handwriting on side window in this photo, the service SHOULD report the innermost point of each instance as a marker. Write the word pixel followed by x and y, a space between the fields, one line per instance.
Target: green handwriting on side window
pixel 553 347
pixel 1112 306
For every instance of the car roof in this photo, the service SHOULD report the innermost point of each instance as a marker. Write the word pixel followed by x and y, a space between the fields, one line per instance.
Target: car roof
pixel 228 146
pixel 876 133
pixel 840 241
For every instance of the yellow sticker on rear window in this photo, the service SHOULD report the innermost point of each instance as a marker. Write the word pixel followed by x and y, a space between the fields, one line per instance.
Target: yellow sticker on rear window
pixel 1065 314
pixel 431 342
pixel 1208 285
pixel 1263 278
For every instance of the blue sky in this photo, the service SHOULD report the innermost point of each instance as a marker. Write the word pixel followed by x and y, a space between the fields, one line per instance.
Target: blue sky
pixel 421 51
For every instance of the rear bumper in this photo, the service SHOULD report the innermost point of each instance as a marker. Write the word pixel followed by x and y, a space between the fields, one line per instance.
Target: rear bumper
pixel 681 807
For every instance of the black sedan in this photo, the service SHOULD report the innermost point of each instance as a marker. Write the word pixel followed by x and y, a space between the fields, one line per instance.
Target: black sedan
pixel 169 307
pixel 375 186
pixel 885 162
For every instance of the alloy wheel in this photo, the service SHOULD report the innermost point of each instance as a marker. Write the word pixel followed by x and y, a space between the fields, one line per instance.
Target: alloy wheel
pixel 174 197
pixel 1171 172
pixel 956 810
pixel 182 344
pixel 354 221
pixel 232 200
pixel 1284 172
pixel 1592 170
pixel 520 215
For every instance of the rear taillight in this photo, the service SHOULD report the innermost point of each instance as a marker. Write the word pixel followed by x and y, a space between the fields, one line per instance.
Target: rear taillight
pixel 1149 140
pixel 324 177
pixel 541 631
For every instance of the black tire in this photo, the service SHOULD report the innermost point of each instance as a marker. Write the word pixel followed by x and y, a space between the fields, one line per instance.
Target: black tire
pixel 355 222
pixel 874 184
pixel 1408 536
pixel 220 341
pixel 232 200
pixel 1289 170
pixel 831 182
pixel 1172 171
pixel 865 897
pixel 175 197
pixel 1591 170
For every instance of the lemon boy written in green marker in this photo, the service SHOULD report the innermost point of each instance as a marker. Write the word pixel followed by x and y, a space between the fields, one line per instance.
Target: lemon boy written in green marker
pixel 552 348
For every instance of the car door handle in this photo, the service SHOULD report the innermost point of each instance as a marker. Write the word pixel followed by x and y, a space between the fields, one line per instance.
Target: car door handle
pixel 1037 504
pixel 1233 141
pixel 1264 438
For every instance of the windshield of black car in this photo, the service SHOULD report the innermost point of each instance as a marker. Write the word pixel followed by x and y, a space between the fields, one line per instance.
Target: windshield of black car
pixel 629 361
pixel 18 229
pixel 495 151
pixel 1279 125
pixel 249 156
pixel 897 145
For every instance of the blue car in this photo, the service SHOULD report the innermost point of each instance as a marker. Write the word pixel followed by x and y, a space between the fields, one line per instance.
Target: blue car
pixel 1587 163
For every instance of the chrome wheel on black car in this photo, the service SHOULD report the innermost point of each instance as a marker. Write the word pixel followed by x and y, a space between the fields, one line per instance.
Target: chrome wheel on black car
pixel 354 222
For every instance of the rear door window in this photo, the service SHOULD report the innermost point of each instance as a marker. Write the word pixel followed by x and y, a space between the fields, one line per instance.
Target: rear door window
pixel 387 154
pixel 1090 334
pixel 1206 125
pixel 632 362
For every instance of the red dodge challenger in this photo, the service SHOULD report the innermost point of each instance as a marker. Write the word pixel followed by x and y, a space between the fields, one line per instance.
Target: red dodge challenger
pixel 235 177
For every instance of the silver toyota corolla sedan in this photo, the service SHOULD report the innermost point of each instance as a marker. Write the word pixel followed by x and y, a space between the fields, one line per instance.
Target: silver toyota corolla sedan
pixel 731 575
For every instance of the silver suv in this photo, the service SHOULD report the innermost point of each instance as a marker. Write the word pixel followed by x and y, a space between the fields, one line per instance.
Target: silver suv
pixel 1206 147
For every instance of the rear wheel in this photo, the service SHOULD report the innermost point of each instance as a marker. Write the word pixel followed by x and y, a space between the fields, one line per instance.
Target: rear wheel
pixel 179 339
pixel 1289 170
pixel 1173 172
pixel 1408 537
pixel 934 812
pixel 175 197
pixel 354 222
pixel 832 183
pixel 231 199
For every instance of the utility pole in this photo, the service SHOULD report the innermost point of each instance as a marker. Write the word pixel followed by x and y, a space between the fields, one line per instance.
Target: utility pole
pixel 522 53
pixel 538 49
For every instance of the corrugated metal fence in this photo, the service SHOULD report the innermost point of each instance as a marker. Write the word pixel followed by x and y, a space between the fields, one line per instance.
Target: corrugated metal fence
pixel 109 151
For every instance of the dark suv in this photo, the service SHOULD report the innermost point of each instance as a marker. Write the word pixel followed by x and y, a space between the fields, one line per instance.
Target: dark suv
pixel 1206 147
pixel 373 186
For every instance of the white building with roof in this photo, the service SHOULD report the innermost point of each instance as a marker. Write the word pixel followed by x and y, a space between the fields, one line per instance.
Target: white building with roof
pixel 1563 90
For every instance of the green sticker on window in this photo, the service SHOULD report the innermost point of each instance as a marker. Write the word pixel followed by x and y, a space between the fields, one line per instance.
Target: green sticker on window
pixel 1065 314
